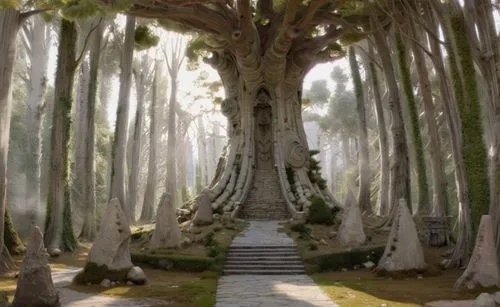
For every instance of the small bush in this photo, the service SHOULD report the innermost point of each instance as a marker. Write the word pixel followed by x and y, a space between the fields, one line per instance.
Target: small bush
pixel 319 212
pixel 348 259
pixel 94 274
pixel 300 227
pixel 313 246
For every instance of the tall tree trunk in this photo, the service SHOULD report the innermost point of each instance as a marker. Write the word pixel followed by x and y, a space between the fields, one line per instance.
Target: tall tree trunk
pixel 440 199
pixel 140 85
pixel 400 177
pixel 383 195
pixel 364 160
pixel 202 152
pixel 119 154
pixel 423 187
pixel 150 193
pixel 89 227
pixel 58 224
pixel 171 162
pixel 10 20
pixel 39 44
pixel 464 240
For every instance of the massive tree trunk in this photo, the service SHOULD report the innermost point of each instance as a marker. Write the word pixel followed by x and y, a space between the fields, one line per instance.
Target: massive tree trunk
pixel 383 195
pixel 440 199
pixel 119 154
pixel 10 21
pixel 58 225
pixel 400 177
pixel 150 191
pixel 423 187
pixel 88 179
pixel 141 77
pixel 37 44
pixel 364 160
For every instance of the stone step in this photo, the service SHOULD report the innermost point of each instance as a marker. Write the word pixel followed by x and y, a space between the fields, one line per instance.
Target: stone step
pixel 264 267
pixel 262 262
pixel 262 250
pixel 263 258
pixel 250 247
pixel 263 272
pixel 255 254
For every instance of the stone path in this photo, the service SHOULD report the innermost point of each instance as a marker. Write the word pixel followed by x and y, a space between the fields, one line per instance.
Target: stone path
pixel 268 290
pixel 71 298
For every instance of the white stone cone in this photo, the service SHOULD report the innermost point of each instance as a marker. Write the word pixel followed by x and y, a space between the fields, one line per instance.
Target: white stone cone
pixel 351 231
pixel 167 233
pixel 482 269
pixel 112 244
pixel 403 250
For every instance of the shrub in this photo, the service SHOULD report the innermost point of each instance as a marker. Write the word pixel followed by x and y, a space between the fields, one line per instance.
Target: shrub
pixel 319 212
pixel 94 274
pixel 313 246
pixel 181 263
pixel 347 259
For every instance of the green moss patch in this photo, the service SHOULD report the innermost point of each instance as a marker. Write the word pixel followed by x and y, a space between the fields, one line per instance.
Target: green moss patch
pixel 94 274
pixel 319 212
pixel 172 262
pixel 344 260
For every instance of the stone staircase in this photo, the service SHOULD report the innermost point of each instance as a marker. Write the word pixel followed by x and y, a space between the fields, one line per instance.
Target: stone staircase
pixel 264 200
pixel 263 260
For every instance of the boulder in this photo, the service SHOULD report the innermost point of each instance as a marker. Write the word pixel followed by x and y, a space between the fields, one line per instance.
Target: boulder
pixel 167 233
pixel 403 251
pixel 105 283
pixel 496 297
pixel 35 286
pixel 351 231
pixel 484 300
pixel 137 276
pixel 482 269
pixel 203 215
pixel 111 247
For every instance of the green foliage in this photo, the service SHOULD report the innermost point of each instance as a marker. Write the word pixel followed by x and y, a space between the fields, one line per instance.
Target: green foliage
pixel 318 93
pixel 11 238
pixel 145 38
pixel 313 246
pixel 319 212
pixel 314 172
pixel 81 9
pixel 169 262
pixel 5 4
pixel 300 227
pixel 94 274
pixel 474 149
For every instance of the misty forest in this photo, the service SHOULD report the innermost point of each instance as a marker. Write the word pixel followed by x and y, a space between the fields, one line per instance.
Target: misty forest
pixel 249 153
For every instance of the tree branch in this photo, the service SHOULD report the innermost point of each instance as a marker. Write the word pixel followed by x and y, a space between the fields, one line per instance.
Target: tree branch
pixel 84 48
pixel 265 8
pixel 310 13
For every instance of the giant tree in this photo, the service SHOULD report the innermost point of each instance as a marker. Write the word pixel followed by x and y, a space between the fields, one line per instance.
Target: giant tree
pixel 262 51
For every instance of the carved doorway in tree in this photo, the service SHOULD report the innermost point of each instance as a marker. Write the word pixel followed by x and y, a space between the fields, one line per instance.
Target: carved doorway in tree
pixel 263 120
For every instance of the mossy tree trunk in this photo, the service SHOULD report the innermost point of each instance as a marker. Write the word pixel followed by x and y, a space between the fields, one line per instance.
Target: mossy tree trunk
pixel 440 199
pixel 58 224
pixel 10 20
pixel 12 240
pixel 364 159
pixel 423 187
pixel 89 228
pixel 119 152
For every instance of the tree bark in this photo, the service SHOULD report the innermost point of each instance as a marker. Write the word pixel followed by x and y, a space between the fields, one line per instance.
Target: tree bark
pixel 423 187
pixel 400 177
pixel 58 224
pixel 364 159
pixel 440 199
pixel 89 228
pixel 119 153
pixel 39 44
pixel 383 195
pixel 140 85
pixel 9 25
pixel 147 212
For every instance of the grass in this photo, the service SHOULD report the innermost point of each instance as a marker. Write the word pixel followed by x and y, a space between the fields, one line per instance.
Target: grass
pixel 177 288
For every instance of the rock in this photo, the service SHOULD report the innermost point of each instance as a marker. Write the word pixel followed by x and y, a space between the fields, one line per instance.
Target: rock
pixel 112 244
pixel 105 283
pixel 113 284
pixel 216 216
pixel 196 231
pixel 420 276
pixel 35 286
pixel 137 276
pixel 228 208
pixel 356 267
pixel 344 270
pixel 482 269
pixel 167 233
pixel 496 297
pixel 368 264
pixel 351 231
pixel 204 213
pixel 484 300
pixel 54 252
pixel 332 234
pixel 323 242
pixel 403 250
pixel 129 283
pixel 186 241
